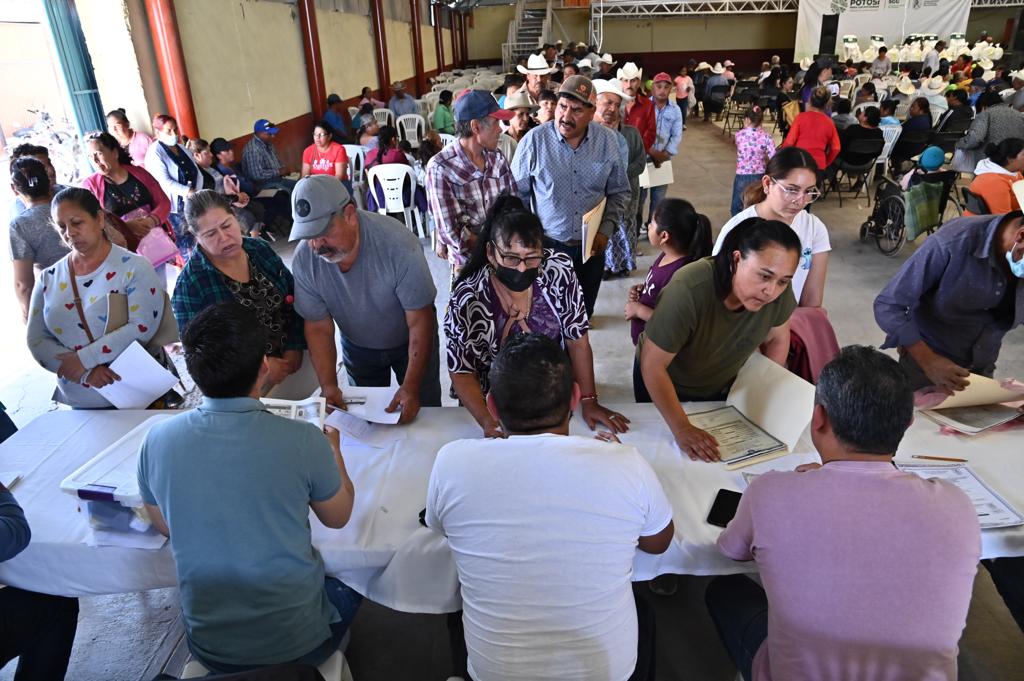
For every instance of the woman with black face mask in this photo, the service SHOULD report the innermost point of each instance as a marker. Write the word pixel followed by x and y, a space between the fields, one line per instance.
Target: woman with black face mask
pixel 512 285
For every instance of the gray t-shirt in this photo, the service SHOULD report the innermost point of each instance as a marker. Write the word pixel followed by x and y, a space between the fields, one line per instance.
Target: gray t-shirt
pixel 234 483
pixel 368 303
pixel 34 238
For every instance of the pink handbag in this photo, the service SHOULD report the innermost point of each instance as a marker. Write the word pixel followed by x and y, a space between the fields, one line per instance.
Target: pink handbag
pixel 157 247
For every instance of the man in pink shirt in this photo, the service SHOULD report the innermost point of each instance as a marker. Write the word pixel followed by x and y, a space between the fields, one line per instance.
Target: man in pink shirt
pixel 867 570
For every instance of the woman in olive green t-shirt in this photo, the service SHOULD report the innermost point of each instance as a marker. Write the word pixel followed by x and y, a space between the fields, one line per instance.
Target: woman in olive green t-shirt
pixel 710 318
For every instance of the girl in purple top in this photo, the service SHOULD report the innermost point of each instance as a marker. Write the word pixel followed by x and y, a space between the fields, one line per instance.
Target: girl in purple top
pixel 682 235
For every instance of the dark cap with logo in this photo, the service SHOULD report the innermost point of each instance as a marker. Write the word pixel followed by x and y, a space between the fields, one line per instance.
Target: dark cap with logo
pixel 579 88
pixel 315 200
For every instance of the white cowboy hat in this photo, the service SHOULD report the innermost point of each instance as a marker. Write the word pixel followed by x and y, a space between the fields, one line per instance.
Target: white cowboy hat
pixel 629 71
pixel 518 100
pixel 1017 75
pixel 985 64
pixel 611 87
pixel 703 66
pixel 606 59
pixel 988 52
pixel 536 65
pixel 906 86
pixel 997 52
pixel 584 64
pixel 933 86
pixel 718 68
pixel 988 75
pixel 727 63
pixel 805 63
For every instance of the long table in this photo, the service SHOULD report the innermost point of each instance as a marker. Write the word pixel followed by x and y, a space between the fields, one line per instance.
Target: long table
pixel 384 552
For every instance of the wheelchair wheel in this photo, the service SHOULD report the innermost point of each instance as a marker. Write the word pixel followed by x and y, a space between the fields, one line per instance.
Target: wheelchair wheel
pixel 865 229
pixel 891 232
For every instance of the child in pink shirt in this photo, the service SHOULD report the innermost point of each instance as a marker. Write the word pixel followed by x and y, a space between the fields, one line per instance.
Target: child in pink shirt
pixel 754 147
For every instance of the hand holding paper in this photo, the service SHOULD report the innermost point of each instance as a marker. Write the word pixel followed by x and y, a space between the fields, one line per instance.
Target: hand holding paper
pixel 142 379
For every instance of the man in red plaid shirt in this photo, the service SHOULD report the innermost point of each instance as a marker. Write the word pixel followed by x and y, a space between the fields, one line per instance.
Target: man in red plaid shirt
pixel 465 178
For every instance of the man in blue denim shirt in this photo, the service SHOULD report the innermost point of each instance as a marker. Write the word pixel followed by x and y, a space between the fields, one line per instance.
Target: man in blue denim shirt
pixel 563 169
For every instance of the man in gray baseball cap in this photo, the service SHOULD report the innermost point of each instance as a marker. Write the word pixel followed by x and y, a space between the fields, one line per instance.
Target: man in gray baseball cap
pixel 366 273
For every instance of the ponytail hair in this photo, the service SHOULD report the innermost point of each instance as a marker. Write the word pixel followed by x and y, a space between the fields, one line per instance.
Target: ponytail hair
pixel 507 218
pixel 1004 151
pixel 751 235
pixel 688 230
pixel 785 161
pixel 754 114
pixel 119 115
pixel 30 178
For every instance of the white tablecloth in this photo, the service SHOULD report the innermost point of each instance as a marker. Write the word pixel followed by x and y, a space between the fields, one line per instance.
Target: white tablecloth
pixel 383 552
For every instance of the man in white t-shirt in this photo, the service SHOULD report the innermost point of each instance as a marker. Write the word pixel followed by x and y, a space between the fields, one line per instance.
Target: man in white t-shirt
pixel 544 528
pixel 813 240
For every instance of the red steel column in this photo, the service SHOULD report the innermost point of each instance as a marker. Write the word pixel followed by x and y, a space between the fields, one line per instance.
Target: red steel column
pixel 163 27
pixel 463 41
pixel 381 43
pixel 453 30
pixel 314 60
pixel 417 48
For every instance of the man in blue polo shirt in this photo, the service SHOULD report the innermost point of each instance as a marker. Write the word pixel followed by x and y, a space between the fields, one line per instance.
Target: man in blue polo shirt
pixel 232 484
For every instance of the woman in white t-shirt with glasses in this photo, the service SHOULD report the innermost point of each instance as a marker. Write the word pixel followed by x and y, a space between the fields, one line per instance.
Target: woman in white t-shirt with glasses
pixel 787 188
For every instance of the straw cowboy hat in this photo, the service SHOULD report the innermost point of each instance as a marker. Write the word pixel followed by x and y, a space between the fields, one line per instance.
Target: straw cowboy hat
pixel 703 66
pixel 606 59
pixel 933 86
pixel 518 100
pixel 906 86
pixel 536 64
pixel 611 87
pixel 629 71
pixel 985 64
pixel 718 68
pixel 805 63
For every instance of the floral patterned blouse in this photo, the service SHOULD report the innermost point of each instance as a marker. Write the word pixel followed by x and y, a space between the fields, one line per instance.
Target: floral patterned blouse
pixel 754 147
pixel 474 319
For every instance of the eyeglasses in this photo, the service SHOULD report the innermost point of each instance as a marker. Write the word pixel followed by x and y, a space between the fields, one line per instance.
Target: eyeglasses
pixel 512 260
pixel 794 194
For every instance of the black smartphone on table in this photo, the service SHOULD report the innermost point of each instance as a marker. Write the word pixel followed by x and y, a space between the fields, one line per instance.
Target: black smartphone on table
pixel 724 508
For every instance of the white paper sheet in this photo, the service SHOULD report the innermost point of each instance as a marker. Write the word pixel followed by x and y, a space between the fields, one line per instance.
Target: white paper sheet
pixel 149 540
pixel 591 226
pixel 377 400
pixel 993 511
pixel 775 399
pixel 657 177
pixel 143 379
pixel 737 437
pixel 980 390
pixel 973 420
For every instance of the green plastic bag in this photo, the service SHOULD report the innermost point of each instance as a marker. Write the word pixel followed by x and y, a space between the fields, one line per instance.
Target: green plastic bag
pixel 922 208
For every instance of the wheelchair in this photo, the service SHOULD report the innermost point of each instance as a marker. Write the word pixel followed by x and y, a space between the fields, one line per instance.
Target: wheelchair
pixel 898 215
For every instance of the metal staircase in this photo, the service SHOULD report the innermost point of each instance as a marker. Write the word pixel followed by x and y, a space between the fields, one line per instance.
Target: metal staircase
pixel 525 33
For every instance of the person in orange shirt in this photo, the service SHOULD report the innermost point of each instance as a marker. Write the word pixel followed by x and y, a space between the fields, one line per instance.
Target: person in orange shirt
pixel 996 173
pixel 814 131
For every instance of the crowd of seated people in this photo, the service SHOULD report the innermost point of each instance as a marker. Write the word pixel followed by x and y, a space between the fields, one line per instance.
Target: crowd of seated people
pixel 517 350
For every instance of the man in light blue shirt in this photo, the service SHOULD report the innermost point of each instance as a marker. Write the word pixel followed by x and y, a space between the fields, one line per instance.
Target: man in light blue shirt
pixel 669 121
pixel 564 169
pixel 401 103
pixel 232 485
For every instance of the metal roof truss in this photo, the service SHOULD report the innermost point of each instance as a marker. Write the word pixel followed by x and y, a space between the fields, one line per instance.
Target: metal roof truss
pixel 654 8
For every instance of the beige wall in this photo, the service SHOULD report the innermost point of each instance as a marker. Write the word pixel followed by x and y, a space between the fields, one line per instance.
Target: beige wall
pixel 29 77
pixel 400 60
pixel 108 37
pixel 723 32
pixel 244 61
pixel 446 40
pixel 429 51
pixel 489 31
pixel 342 36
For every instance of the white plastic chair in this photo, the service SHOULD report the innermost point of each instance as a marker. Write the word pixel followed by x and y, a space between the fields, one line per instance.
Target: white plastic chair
pixel 890 133
pixel 863 105
pixel 412 128
pixel 353 111
pixel 902 109
pixel 356 160
pixel 392 178
pixel 384 116
pixel 447 139
pixel 334 669
pixel 860 79
pixel 845 88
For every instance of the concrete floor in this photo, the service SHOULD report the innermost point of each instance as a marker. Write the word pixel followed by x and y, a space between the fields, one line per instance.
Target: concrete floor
pixel 134 636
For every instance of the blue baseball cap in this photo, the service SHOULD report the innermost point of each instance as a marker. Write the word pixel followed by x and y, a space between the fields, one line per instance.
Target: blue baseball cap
pixel 263 125
pixel 932 158
pixel 471 105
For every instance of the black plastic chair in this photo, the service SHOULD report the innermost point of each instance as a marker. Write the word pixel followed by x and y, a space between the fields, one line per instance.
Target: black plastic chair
pixel 738 105
pixel 910 144
pixel 856 173
pixel 714 100
pixel 974 202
